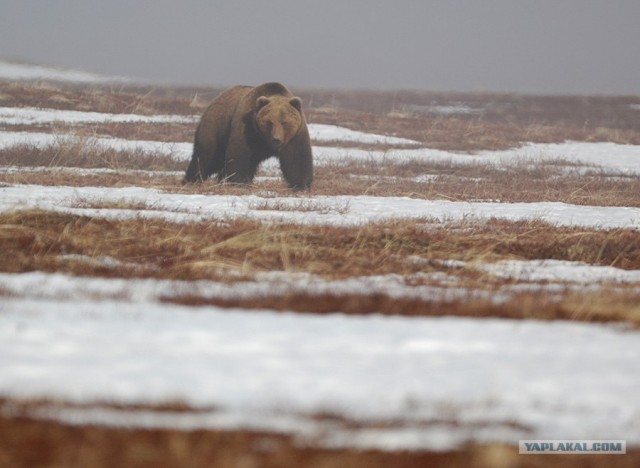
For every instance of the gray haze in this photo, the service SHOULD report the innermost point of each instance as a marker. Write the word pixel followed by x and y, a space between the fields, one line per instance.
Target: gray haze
pixel 542 46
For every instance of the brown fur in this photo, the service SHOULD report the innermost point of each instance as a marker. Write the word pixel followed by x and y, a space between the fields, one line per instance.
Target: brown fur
pixel 244 126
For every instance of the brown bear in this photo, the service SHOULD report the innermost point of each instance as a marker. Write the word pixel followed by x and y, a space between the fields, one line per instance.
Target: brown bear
pixel 245 125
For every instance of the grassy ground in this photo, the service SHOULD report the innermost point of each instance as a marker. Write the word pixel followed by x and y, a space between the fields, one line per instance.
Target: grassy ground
pixel 30 443
pixel 148 248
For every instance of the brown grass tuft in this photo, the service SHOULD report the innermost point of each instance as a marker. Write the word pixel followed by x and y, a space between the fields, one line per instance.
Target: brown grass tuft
pixel 83 153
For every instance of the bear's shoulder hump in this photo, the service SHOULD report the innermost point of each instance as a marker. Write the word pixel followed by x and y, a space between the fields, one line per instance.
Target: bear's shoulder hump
pixel 271 89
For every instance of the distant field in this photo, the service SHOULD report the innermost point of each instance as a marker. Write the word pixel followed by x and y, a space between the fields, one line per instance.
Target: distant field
pixel 432 299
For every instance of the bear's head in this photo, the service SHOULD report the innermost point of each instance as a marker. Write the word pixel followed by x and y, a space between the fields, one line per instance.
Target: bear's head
pixel 278 118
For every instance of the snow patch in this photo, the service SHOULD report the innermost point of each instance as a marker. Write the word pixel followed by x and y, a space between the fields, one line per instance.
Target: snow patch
pixel 331 210
pixel 38 116
pixel 60 286
pixel 495 379
pixel 322 132
pixel 23 71
pixel 179 151
pixel 560 271
pixel 458 108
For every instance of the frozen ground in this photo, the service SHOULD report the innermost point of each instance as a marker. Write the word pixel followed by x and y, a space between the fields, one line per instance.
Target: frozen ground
pixel 406 382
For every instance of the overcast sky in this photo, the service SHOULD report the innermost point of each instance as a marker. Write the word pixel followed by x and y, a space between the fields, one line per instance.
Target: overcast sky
pixel 531 46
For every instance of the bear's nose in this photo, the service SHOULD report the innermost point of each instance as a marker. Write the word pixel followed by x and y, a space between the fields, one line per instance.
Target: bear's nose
pixel 275 141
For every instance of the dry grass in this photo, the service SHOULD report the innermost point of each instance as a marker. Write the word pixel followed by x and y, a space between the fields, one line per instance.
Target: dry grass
pixel 37 238
pixel 480 181
pixel 25 442
pixel 300 205
pixel 86 154
pixel 564 112
pixel 150 248
pixel 119 100
pixel 106 177
pixel 505 122
pixel 590 306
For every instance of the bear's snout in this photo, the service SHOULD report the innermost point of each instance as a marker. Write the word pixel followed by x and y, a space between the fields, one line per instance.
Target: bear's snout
pixel 277 137
pixel 276 142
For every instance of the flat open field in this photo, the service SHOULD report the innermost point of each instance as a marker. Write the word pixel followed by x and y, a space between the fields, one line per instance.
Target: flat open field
pixel 464 274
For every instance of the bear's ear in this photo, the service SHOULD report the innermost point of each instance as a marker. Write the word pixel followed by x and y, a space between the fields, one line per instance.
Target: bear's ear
pixel 296 102
pixel 262 101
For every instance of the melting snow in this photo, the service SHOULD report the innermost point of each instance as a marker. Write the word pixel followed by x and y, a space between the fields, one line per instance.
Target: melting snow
pixel 37 116
pixel 336 210
pixel 512 379
pixel 59 286
pixel 560 270
pixel 322 132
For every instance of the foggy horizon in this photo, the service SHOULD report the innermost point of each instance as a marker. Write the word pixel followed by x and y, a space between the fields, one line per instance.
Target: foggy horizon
pixel 541 47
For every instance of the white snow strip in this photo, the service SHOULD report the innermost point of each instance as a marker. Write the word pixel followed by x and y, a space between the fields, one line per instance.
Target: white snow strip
pixel 559 271
pixel 611 157
pixel 621 158
pixel 86 171
pixel 39 116
pixel 322 132
pixel 450 109
pixel 60 286
pixel 501 380
pixel 435 287
pixel 332 210
pixel 21 71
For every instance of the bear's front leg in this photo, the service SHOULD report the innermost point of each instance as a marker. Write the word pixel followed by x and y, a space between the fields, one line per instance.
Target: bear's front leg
pixel 296 162
pixel 240 166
